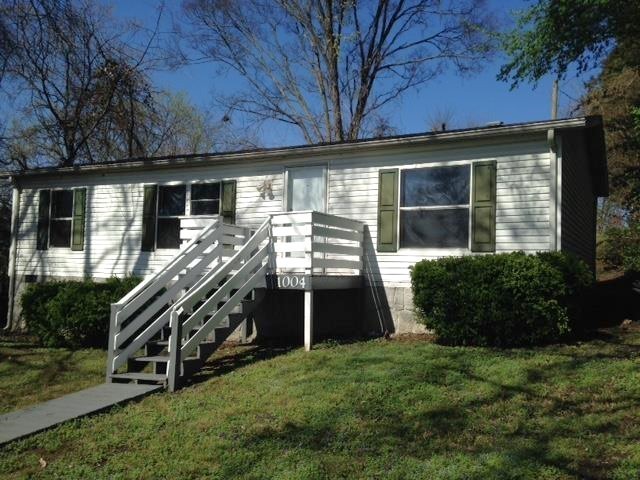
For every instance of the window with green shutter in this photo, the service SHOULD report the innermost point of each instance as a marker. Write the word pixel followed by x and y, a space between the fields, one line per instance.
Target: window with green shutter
pixel 61 218
pixel 450 206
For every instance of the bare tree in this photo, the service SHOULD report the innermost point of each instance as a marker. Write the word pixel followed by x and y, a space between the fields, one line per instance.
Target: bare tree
pixel 328 67
pixel 68 68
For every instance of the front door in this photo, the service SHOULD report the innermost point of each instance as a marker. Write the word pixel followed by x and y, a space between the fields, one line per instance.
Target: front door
pixel 306 189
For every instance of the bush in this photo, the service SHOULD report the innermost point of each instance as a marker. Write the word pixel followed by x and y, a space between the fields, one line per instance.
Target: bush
pixel 73 314
pixel 620 248
pixel 501 300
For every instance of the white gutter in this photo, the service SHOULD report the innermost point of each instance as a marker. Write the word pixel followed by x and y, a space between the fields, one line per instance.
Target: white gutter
pixel 555 190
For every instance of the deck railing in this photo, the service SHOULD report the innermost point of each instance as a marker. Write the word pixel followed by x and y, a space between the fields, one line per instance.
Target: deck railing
pixel 317 243
pixel 224 262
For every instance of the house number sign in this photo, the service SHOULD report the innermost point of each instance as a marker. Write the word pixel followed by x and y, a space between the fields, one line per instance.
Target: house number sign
pixel 289 282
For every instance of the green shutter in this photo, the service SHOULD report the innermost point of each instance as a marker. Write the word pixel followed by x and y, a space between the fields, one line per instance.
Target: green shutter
pixel 149 218
pixel 79 213
pixel 228 202
pixel 44 202
pixel 388 211
pixel 483 208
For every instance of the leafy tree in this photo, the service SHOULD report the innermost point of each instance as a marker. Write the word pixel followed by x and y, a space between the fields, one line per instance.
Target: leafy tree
pixel 615 94
pixel 552 35
pixel 329 68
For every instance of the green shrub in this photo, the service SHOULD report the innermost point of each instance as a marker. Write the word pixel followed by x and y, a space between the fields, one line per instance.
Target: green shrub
pixel 501 300
pixel 620 248
pixel 73 314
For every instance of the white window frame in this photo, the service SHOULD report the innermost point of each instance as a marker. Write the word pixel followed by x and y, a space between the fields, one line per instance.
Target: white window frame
pixel 188 197
pixel 435 251
pixel 187 206
pixel 325 179
pixel 73 205
pixel 158 216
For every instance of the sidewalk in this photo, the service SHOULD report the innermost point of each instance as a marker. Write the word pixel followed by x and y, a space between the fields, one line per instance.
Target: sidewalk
pixel 45 415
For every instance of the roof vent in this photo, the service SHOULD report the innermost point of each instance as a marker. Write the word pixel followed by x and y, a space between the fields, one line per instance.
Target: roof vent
pixel 494 124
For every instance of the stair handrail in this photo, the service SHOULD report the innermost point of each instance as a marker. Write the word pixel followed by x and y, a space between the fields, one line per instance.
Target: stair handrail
pixel 153 284
pixel 251 256
pixel 214 277
pixel 152 278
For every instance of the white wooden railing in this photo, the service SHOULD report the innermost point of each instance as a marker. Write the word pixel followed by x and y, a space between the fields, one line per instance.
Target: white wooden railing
pixel 217 266
pixel 142 313
pixel 317 243
pixel 230 284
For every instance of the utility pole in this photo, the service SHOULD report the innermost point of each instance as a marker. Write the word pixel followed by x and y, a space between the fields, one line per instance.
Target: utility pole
pixel 554 100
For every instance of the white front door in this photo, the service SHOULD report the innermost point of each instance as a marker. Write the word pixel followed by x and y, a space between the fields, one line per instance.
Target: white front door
pixel 306 189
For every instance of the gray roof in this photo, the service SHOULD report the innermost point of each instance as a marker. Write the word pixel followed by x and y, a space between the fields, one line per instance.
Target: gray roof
pixel 593 125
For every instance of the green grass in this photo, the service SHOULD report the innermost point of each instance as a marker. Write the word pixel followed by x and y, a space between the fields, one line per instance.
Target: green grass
pixel 377 409
pixel 30 375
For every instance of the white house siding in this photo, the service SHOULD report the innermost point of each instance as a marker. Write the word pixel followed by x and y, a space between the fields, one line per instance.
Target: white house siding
pixel 114 219
pixel 522 210
pixel 579 201
pixel 114 206
pixel 114 211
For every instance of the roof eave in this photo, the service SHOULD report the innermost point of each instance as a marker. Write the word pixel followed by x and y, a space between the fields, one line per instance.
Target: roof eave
pixel 314 150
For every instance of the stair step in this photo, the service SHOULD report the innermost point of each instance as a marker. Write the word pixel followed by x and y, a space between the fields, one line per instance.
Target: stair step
pixel 139 376
pixel 159 359
pixel 165 343
pixel 152 358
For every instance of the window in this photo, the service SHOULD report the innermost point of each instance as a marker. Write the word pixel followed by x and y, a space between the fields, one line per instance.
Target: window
pixel 171 205
pixel 61 218
pixel 434 207
pixel 205 199
pixel 165 205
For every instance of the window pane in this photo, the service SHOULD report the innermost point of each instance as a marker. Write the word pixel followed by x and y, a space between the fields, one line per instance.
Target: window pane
pixel 168 233
pixel 62 203
pixel 205 191
pixel 423 187
pixel 435 228
pixel 205 207
pixel 60 233
pixel 171 200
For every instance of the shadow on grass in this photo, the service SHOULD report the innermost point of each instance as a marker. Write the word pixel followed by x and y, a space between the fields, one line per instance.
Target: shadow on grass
pixel 232 357
pixel 541 419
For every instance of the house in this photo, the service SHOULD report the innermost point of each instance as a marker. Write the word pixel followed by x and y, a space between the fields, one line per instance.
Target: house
pixel 328 229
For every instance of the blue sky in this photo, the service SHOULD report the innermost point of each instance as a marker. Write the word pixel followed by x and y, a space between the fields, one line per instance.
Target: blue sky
pixel 474 100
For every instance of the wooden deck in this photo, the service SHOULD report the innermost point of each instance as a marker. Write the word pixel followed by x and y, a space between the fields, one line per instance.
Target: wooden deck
pixel 19 424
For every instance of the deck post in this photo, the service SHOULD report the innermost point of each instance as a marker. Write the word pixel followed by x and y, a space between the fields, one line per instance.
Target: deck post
pixel 175 343
pixel 308 319
pixel 113 319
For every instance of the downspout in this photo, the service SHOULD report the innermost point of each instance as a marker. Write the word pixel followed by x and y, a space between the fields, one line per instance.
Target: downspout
pixel 555 190
pixel 15 214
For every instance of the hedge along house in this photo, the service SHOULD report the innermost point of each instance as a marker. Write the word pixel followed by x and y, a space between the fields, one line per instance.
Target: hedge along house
pixel 338 223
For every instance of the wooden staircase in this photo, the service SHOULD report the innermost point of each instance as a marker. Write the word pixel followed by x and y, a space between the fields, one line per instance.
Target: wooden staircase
pixel 166 328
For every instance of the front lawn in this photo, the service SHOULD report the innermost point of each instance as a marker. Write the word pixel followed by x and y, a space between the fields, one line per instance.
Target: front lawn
pixel 30 374
pixel 380 409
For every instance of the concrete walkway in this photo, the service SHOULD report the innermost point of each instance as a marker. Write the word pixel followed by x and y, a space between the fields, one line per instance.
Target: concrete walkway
pixel 45 415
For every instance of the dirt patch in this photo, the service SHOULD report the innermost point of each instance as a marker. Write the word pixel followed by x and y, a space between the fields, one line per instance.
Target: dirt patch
pixel 413 337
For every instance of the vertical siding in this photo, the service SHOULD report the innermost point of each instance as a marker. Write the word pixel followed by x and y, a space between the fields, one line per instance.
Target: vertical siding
pixel 579 202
